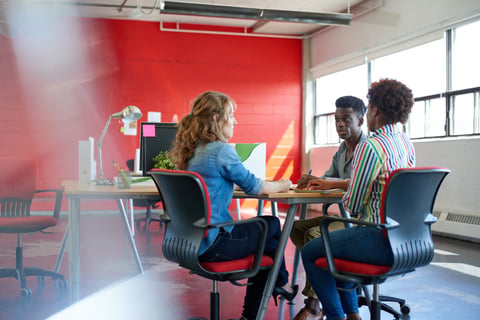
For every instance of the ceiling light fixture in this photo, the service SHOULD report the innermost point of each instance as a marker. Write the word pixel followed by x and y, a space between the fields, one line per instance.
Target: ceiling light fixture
pixel 197 9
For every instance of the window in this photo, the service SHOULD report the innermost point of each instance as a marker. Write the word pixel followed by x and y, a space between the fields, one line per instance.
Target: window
pixel 464 112
pixel 444 78
pixel 351 82
pixel 465 61
pixel 427 118
pixel 421 68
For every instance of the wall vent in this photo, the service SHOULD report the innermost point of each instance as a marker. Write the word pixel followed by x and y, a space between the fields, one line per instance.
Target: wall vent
pixel 458 225
pixel 463 218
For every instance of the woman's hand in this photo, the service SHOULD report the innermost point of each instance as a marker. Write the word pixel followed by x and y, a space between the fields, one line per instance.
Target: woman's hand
pixel 282 185
pixel 285 185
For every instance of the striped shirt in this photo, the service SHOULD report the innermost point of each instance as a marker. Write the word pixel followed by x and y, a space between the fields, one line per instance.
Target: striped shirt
pixel 373 161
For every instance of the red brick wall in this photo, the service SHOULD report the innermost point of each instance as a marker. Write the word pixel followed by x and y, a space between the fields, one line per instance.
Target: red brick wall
pixel 59 84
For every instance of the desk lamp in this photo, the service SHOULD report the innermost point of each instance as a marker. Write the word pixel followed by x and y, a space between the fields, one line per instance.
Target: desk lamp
pixel 129 114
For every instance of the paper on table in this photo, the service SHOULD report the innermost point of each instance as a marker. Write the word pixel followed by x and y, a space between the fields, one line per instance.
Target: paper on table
pixel 326 191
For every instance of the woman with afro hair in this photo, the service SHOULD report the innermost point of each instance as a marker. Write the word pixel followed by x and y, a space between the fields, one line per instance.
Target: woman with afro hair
pixel 387 149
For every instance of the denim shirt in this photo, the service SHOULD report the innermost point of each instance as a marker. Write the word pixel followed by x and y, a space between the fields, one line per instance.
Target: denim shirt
pixel 220 166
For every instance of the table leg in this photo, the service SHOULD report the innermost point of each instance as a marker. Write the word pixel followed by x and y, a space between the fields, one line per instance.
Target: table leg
pixel 260 207
pixel 272 275
pixel 132 218
pixel 128 232
pixel 296 258
pixel 274 207
pixel 74 248
pixel 62 250
pixel 237 202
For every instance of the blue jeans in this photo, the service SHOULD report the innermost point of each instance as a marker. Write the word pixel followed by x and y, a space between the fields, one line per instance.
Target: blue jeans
pixel 359 244
pixel 241 242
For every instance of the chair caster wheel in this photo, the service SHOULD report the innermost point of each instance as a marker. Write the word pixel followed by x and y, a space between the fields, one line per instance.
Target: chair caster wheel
pixel 26 292
pixel 405 309
pixel 62 283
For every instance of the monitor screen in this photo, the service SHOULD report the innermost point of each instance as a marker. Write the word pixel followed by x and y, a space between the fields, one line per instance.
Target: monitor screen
pixel 155 137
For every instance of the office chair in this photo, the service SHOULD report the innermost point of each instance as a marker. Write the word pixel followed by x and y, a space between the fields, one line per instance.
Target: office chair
pixel 406 218
pixel 148 204
pixel 17 190
pixel 187 205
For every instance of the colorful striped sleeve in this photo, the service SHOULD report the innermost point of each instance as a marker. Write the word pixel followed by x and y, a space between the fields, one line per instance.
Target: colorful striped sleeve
pixel 366 167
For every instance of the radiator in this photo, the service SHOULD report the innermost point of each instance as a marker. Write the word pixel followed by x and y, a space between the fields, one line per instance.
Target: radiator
pixel 457 225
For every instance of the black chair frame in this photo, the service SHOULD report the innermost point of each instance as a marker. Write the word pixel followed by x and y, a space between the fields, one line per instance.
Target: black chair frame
pixel 411 241
pixel 187 206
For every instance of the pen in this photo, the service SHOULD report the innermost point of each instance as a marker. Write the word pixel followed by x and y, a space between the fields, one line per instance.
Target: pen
pixel 115 164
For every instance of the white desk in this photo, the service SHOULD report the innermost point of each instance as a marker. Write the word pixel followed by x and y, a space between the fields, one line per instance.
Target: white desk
pixel 75 193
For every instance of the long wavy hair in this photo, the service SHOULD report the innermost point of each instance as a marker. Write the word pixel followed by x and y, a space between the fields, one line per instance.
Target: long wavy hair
pixel 210 110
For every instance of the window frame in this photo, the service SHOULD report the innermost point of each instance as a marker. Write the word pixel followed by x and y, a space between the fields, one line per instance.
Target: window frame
pixel 448 96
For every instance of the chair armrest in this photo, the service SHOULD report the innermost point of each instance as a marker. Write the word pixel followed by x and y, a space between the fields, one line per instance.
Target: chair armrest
pixel 329 219
pixel 263 229
pixel 430 219
pixel 201 223
pixel 58 200
pixel 165 217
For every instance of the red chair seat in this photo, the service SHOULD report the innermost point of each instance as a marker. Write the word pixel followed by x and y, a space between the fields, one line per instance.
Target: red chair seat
pixel 26 224
pixel 354 267
pixel 235 265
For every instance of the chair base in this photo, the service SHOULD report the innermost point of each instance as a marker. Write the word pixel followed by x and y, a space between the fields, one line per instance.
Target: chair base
pixel 147 222
pixel 20 273
pixel 214 306
pixel 366 300
pixel 148 219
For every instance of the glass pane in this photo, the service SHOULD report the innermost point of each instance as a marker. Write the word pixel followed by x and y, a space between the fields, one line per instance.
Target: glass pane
pixel 320 130
pixel 416 122
pixel 332 130
pixel 435 112
pixel 465 61
pixel 477 113
pixel 350 82
pixel 421 68
pixel 463 114
pixel 427 119
pixel 325 132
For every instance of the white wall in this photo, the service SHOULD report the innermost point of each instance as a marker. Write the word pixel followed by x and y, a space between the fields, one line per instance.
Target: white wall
pixel 396 22
pixel 460 191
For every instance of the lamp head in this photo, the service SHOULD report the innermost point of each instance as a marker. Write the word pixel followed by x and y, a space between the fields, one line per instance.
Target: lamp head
pixel 128 114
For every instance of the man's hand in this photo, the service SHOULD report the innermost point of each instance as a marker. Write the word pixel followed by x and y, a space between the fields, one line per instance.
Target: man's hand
pixel 304 179
pixel 320 184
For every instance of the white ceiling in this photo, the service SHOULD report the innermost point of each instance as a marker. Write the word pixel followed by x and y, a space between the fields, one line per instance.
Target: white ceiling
pixel 127 9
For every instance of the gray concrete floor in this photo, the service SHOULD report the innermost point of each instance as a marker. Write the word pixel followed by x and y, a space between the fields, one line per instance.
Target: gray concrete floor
pixel 449 288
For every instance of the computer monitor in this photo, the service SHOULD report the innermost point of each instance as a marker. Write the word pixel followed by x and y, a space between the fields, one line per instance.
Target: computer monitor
pixel 155 137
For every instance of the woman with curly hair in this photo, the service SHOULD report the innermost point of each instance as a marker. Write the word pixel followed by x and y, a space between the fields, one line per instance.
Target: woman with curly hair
pixel 388 148
pixel 201 146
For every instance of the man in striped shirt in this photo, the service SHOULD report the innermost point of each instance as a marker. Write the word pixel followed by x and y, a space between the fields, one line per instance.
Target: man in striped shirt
pixel 390 103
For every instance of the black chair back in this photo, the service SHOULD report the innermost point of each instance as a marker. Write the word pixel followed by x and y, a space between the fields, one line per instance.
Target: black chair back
pixel 184 196
pixel 187 205
pixel 408 203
